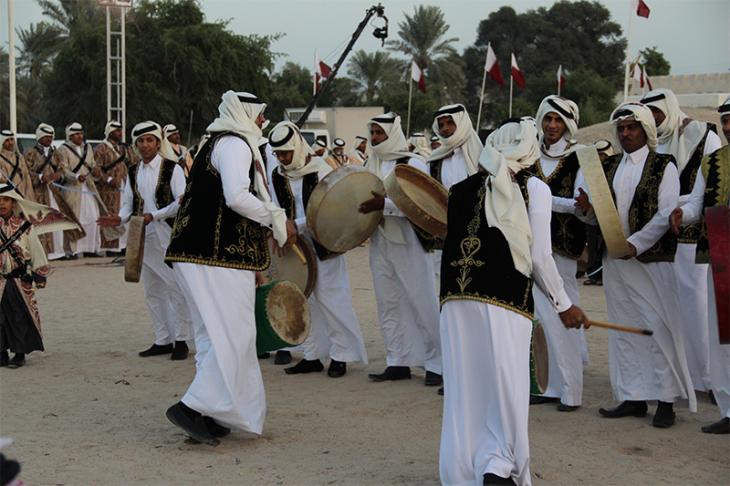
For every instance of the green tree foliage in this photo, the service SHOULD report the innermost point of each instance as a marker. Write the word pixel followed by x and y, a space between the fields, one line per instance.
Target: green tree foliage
pixel 577 35
pixel 654 62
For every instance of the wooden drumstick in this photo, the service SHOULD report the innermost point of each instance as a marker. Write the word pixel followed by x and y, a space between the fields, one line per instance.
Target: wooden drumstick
pixel 299 253
pixel 619 327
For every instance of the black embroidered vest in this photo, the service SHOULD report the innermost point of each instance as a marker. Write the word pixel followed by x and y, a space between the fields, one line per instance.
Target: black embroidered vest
pixel 428 242
pixel 163 191
pixel 477 263
pixel 716 171
pixel 208 232
pixel 284 195
pixel 690 233
pixel 645 203
pixel 567 232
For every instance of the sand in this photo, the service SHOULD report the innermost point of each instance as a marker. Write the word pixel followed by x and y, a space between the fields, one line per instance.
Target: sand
pixel 90 411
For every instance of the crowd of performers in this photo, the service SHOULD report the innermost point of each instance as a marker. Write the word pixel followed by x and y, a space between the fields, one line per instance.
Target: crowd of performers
pixel 520 215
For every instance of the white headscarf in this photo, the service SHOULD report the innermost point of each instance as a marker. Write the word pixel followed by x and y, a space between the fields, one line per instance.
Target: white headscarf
pixel 639 113
pixel 72 128
pixel 420 145
pixel 169 129
pixel 286 137
pixel 724 108
pixel 464 137
pixel 392 148
pixel 44 130
pixel 509 149
pixel 680 134
pixel 4 135
pixel 110 127
pixel 145 128
pixel 604 146
pixel 565 109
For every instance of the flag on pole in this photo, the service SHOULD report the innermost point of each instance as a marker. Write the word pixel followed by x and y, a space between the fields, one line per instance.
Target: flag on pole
pixel 492 66
pixel 636 74
pixel 517 74
pixel 321 70
pixel 642 9
pixel 645 79
pixel 418 77
pixel 561 77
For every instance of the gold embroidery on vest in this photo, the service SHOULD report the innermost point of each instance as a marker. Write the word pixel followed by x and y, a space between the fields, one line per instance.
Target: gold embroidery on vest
pixel 470 245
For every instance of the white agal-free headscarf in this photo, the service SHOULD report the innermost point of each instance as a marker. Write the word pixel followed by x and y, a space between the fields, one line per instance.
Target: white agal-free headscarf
pixel 639 113
pixel 237 113
pixel 420 144
pixel 509 149
pixel 680 134
pixel 286 136
pixel 111 126
pixel 565 109
pixel 72 128
pixel 44 130
pixel 464 137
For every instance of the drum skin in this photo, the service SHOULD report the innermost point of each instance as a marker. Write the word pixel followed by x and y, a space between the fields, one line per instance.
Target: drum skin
pixel 420 197
pixel 539 363
pixel 282 316
pixel 290 267
pixel 333 215
pixel 135 249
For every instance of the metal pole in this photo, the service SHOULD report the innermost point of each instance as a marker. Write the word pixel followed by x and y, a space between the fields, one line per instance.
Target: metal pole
pixel 560 73
pixel 628 44
pixel 11 69
pixel 190 127
pixel 123 86
pixel 314 74
pixel 510 96
pixel 481 93
pixel 108 66
pixel 410 95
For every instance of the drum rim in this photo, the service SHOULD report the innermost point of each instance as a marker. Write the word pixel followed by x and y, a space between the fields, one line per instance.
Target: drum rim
pixel 413 211
pixel 311 257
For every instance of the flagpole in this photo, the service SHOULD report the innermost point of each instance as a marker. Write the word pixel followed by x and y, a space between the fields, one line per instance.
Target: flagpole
pixel 628 44
pixel 410 94
pixel 314 74
pixel 560 73
pixel 510 95
pixel 481 93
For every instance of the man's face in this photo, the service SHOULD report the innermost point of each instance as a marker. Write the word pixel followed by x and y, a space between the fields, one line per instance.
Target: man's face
pixel 77 138
pixel 631 135
pixel 46 141
pixel 9 144
pixel 725 120
pixel 319 151
pixel 553 127
pixel 447 126
pixel 377 135
pixel 174 138
pixel 362 146
pixel 148 146
pixel 7 204
pixel 260 120
pixel 659 115
pixel 116 135
pixel 338 151
pixel 285 157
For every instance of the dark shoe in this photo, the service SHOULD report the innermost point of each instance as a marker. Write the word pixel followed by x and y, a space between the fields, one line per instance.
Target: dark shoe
pixel 266 355
pixel 9 470
pixel 539 400
pixel 664 416
pixel 282 358
pixel 392 373
pixel 628 408
pixel 156 350
pixel 722 426
pixel 17 361
pixel 336 369
pixel 4 358
pixel 180 352
pixel 305 366
pixel 490 479
pixel 567 408
pixel 711 396
pixel 191 422
pixel 433 379
pixel 441 391
pixel 215 429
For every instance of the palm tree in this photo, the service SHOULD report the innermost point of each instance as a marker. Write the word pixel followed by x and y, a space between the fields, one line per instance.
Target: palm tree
pixel 423 39
pixel 66 13
pixel 38 45
pixel 372 71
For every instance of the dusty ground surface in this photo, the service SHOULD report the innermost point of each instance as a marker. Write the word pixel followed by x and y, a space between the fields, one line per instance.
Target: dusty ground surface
pixel 89 411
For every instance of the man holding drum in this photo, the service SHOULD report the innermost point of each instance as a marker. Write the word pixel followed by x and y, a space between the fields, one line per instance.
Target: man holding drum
pixel 153 190
pixel 402 269
pixel 335 330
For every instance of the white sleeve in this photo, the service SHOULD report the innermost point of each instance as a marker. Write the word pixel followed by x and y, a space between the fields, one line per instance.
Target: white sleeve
pixel 177 185
pixel 544 271
pixel 692 208
pixel 647 236
pixel 232 157
pixel 125 211
pixel 712 142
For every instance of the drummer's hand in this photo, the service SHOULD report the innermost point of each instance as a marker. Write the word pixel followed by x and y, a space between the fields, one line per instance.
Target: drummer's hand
pixel 291 232
pixel 147 218
pixel 260 279
pixel 109 221
pixel 582 202
pixel 675 220
pixel 574 317
pixel 375 203
pixel 632 253
pixel 82 179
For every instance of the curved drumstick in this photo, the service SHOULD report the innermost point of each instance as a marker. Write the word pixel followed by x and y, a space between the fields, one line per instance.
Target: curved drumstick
pixel 298 252
pixel 619 327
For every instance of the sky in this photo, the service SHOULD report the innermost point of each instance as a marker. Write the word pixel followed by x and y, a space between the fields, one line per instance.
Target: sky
pixel 692 34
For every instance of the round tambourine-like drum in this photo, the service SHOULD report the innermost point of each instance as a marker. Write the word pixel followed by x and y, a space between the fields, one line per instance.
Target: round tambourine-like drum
pixel 282 316
pixel 135 249
pixel 333 215
pixel 539 363
pixel 288 265
pixel 420 197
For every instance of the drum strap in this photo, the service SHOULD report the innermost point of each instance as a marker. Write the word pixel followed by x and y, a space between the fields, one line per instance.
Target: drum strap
pixel 15 166
pixel 82 157
pixel 48 160
pixel 119 160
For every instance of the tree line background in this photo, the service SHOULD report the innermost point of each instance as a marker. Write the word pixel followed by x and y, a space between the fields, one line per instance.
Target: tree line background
pixel 178 62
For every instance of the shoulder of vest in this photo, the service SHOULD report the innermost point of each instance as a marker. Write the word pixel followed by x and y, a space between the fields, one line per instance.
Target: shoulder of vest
pixel 711 127
pixel 664 159
pixel 403 160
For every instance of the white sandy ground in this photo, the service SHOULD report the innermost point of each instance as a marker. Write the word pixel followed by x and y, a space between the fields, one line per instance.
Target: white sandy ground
pixel 90 411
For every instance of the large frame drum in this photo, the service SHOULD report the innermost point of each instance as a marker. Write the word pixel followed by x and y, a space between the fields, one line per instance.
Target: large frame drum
pixel 135 249
pixel 287 265
pixel 539 363
pixel 420 197
pixel 282 316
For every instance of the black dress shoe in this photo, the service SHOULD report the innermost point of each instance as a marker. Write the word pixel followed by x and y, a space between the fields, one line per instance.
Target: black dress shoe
pixel 215 429
pixel 191 422
pixel 392 373
pixel 17 361
pixel 282 358
pixel 722 426
pixel 433 379
pixel 4 358
pixel 441 391
pixel 567 408
pixel 629 408
pixel 336 369
pixel 664 416
pixel 490 479
pixel 539 399
pixel 156 350
pixel 180 351
pixel 305 366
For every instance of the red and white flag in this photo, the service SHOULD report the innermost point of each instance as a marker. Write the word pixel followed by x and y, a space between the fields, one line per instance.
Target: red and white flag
pixel 645 79
pixel 418 77
pixel 492 66
pixel 561 77
pixel 517 75
pixel 642 9
pixel 321 70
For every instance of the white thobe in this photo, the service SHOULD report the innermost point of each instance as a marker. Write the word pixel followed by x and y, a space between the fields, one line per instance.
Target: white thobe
pixel 719 354
pixel 487 370
pixel 645 295
pixel 692 286
pixel 165 300
pixel 408 308
pixel 335 332
pixel 227 385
